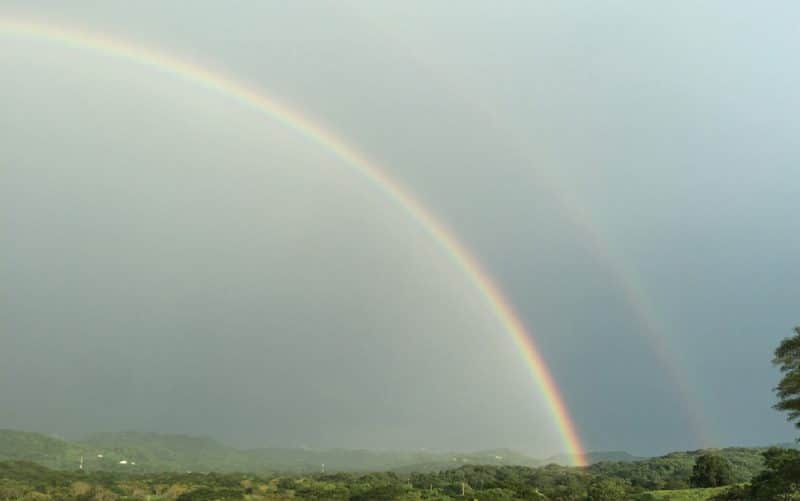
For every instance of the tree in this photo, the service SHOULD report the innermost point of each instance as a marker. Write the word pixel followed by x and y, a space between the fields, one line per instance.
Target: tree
pixel 781 476
pixel 779 481
pixel 711 470
pixel 787 357
pixel 607 489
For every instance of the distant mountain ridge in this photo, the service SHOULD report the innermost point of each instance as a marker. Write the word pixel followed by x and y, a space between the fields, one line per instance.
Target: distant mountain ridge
pixel 597 457
pixel 39 448
pixel 155 452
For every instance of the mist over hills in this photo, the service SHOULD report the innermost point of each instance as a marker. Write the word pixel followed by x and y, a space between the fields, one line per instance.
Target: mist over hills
pixel 138 465
pixel 140 452
pixel 155 452
pixel 596 457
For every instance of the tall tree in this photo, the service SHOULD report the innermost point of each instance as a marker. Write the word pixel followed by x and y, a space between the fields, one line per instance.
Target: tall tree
pixel 787 357
pixel 711 470
pixel 607 489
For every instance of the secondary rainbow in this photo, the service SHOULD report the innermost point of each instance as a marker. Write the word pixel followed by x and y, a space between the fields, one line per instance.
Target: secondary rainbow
pixel 245 95
pixel 652 326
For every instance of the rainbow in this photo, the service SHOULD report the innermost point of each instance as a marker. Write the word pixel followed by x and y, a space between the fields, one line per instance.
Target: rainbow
pixel 247 96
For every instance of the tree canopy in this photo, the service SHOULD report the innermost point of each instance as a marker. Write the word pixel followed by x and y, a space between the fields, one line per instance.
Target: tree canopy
pixel 787 357
pixel 711 470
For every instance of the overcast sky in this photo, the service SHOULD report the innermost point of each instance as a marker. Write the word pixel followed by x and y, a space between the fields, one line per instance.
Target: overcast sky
pixel 626 171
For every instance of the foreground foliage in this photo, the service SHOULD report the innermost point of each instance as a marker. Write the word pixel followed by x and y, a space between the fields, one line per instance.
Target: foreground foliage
pixel 701 494
pixel 27 480
pixel 608 481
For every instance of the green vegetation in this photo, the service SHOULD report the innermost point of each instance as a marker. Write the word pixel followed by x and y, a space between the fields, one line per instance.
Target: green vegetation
pixel 39 448
pixel 157 466
pixel 25 480
pixel 684 494
pixel 597 457
pixel 711 470
pixel 607 489
pixel 139 466
pixel 153 452
pixel 674 471
pixel 787 358
pixel 608 481
pixel 28 480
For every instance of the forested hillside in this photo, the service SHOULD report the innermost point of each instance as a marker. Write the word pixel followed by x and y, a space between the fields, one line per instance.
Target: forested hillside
pixel 136 452
pixel 152 452
pixel 673 471
pixel 41 449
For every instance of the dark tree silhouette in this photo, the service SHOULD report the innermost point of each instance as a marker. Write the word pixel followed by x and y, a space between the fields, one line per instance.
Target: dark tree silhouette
pixel 711 470
pixel 787 357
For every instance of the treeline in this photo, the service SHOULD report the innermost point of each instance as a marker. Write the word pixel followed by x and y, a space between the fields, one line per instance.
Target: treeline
pixel 674 470
pixel 27 480
pixel 602 481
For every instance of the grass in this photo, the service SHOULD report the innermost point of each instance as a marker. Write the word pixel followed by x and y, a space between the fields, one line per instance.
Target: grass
pixel 687 494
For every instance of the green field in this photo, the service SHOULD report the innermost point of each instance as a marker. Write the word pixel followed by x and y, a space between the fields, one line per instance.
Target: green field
pixel 687 494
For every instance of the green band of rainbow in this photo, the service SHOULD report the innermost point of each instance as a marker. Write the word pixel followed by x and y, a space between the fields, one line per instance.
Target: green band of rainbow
pixel 294 120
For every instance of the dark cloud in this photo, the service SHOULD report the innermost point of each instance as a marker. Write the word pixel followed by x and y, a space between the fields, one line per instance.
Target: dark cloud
pixel 173 261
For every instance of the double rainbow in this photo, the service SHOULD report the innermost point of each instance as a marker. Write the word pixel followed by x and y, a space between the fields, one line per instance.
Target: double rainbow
pixel 158 60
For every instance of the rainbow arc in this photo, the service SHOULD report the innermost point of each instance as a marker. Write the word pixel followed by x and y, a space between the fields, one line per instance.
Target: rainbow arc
pixel 272 108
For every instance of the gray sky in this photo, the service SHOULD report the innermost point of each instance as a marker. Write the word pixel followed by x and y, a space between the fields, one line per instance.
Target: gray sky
pixel 626 171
